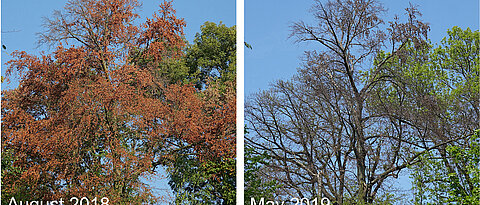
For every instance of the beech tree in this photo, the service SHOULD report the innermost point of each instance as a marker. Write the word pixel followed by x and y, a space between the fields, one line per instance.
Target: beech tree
pixel 348 121
pixel 98 113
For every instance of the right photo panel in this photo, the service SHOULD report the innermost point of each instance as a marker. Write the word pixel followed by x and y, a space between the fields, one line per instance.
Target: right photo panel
pixel 362 102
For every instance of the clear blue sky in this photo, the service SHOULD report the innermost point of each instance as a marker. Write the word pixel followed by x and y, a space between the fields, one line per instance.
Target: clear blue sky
pixel 274 56
pixel 22 19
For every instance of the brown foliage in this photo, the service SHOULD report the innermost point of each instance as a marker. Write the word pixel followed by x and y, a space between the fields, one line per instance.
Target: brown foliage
pixel 89 120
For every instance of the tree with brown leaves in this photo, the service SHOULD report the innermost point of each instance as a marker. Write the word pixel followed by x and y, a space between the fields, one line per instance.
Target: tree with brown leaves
pixel 94 117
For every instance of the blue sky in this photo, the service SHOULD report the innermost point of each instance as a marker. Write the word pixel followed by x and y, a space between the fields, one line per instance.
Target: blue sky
pixel 274 56
pixel 267 22
pixel 22 19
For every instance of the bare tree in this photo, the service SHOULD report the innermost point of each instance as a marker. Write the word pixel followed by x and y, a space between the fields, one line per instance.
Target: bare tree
pixel 330 130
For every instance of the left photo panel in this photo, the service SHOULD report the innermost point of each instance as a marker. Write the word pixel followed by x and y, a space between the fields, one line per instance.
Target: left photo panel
pixel 118 102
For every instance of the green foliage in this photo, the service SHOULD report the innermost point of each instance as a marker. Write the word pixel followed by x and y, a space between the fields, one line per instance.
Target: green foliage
pixel 450 75
pixel 194 182
pixel 448 71
pixel 175 71
pixel 433 82
pixel 256 186
pixel 434 183
pixel 458 58
pixel 213 53
pixel 437 87
pixel 9 171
